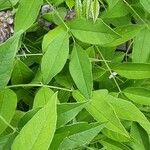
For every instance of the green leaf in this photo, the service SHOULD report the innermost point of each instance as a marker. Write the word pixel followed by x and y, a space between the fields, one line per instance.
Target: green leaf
pixel 3 140
pixel 102 111
pixel 39 131
pixel 113 135
pixel 57 2
pixel 112 3
pixel 146 5
pixel 140 137
pixel 6 141
pixel 70 3
pixel 81 71
pixel 4 4
pixel 8 51
pixel 26 117
pixel 127 111
pixel 138 95
pixel 133 70
pixel 8 103
pixel 21 73
pixel 116 9
pixel 113 145
pixel 56 53
pixel 58 138
pixel 79 134
pixel 67 112
pixel 27 13
pixel 42 97
pixel 141 50
pixel 127 32
pixel 93 33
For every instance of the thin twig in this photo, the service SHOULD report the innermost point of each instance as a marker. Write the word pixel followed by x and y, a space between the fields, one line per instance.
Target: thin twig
pixel 136 13
pixel 22 55
pixel 9 125
pixel 109 69
pixel 98 60
pixel 126 54
pixel 39 85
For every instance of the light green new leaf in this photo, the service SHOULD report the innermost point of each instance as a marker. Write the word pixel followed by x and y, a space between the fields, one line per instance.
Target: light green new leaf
pixel 128 111
pixel 56 53
pixel 87 8
pixel 67 112
pixel 37 134
pixel 140 138
pixel 8 103
pixel 93 33
pixel 81 71
pixel 21 73
pixel 141 47
pixel 42 97
pixel 95 9
pixel 78 134
pixel 133 70
pixel 27 13
pixel 8 51
pixel 138 95
pixel 78 8
pixel 146 5
pixel 102 111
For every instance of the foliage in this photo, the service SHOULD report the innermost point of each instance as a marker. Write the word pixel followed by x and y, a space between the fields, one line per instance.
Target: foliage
pixel 76 76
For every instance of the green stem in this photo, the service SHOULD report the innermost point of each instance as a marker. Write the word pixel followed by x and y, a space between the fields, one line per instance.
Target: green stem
pixel 98 60
pixel 110 28
pixel 22 55
pixel 109 69
pixel 38 85
pixel 135 13
pixel 9 125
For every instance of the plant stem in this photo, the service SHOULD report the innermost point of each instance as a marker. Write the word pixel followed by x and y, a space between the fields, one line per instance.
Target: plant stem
pixel 109 69
pixel 135 13
pixel 38 85
pixel 98 60
pixel 9 125
pixel 22 55
pixel 110 28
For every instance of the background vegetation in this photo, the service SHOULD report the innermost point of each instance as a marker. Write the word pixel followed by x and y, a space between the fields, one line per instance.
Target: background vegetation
pixel 74 74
